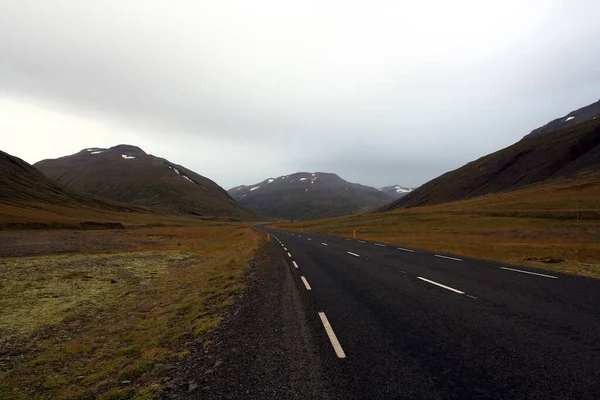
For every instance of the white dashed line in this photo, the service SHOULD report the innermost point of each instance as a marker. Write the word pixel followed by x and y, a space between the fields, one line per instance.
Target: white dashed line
pixel 295 265
pixel 361 241
pixel 379 244
pixel 352 254
pixel 530 273
pixel 305 283
pixel 403 249
pixel 448 258
pixel 289 255
pixel 403 271
pixel 473 297
pixel 309 239
pixel 440 285
pixel 332 338
pixel 324 244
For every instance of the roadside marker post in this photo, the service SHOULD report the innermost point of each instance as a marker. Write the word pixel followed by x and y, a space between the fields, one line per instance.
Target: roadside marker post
pixel 354 233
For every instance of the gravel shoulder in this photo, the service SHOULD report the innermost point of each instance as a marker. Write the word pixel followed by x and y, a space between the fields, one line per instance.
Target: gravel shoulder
pixel 264 349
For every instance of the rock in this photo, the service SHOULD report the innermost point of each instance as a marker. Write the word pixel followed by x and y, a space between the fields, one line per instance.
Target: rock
pixel 218 363
pixel 113 281
pixel 193 386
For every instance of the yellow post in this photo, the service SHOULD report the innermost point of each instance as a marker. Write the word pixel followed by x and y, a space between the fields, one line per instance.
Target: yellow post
pixel 268 238
pixel 354 233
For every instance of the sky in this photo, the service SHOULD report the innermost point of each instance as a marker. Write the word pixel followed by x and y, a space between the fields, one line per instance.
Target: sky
pixel 379 92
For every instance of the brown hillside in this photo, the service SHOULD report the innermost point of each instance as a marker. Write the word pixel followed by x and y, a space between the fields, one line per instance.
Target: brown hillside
pixel 127 174
pixel 572 152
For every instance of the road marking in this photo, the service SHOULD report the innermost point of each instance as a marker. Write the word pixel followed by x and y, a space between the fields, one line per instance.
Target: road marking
pixel 530 273
pixel 289 255
pixel 403 271
pixel 473 297
pixel 305 283
pixel 324 244
pixel 440 285
pixel 309 239
pixel 403 249
pixel 352 254
pixel 295 265
pixel 361 241
pixel 448 258
pixel 285 248
pixel 379 244
pixel 337 347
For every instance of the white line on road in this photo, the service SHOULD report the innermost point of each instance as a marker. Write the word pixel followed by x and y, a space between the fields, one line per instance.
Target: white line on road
pixel 309 239
pixel 324 244
pixel 448 258
pixel 361 241
pixel 295 265
pixel 379 244
pixel 473 297
pixel 332 338
pixel 289 255
pixel 352 254
pixel 403 271
pixel 440 285
pixel 530 273
pixel 403 249
pixel 305 283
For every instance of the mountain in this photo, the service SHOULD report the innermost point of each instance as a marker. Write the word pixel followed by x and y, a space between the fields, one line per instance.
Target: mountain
pixel 23 186
pixel 572 152
pixel 573 118
pixel 127 174
pixel 304 195
pixel 396 191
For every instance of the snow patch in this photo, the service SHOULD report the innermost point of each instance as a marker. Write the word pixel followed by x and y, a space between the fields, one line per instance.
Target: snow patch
pixel 303 179
pixel 127 157
pixel 244 195
pixel 270 180
pixel 254 188
pixel 306 191
pixel 568 119
pixel 96 152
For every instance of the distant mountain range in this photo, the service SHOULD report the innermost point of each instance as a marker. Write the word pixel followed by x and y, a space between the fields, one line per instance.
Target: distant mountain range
pixel 396 191
pixel 306 195
pixel 564 148
pixel 127 174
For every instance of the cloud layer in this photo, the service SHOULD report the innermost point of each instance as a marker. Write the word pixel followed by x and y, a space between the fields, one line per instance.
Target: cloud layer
pixel 380 92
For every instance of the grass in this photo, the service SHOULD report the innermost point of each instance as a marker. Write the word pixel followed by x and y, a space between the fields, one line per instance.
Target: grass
pixel 553 226
pixel 67 332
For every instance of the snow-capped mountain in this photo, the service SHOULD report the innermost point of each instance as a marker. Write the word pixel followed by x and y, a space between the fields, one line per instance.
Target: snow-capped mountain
pixel 396 191
pixel 308 195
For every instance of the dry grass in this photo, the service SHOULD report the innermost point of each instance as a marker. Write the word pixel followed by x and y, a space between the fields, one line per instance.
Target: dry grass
pixel 68 332
pixel 538 227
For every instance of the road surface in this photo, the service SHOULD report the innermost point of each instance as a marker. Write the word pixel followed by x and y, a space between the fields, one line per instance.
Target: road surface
pixel 367 320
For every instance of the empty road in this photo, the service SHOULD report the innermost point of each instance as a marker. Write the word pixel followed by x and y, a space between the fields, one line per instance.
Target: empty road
pixel 403 323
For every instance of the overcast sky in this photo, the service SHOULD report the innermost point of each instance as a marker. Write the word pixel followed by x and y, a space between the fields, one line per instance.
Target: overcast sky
pixel 379 92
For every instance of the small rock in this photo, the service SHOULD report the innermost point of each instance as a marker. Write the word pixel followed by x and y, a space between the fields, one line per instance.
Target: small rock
pixel 218 363
pixel 193 386
pixel 113 281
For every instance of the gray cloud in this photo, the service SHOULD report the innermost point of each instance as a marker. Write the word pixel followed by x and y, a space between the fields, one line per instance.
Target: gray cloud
pixel 379 92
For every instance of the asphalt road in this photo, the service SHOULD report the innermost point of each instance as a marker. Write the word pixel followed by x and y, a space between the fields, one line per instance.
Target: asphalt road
pixel 379 321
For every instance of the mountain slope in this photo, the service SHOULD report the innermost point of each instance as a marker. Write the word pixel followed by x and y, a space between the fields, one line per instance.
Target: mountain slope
pixel 573 118
pixel 303 196
pixel 570 152
pixel 127 174
pixel 396 191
